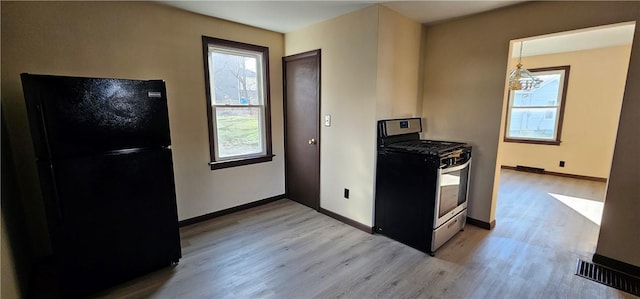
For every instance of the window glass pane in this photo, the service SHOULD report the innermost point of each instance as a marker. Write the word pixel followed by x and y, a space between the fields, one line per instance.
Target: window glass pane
pixel 532 123
pixel 449 189
pixel 239 131
pixel 235 78
pixel 545 96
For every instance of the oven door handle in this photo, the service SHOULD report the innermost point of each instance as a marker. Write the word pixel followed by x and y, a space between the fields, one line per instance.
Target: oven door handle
pixel 456 168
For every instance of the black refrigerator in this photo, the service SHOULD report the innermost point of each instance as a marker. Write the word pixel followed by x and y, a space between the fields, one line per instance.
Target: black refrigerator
pixel 105 168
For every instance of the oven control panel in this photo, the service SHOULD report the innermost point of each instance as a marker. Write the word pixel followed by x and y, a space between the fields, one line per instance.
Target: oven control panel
pixel 393 127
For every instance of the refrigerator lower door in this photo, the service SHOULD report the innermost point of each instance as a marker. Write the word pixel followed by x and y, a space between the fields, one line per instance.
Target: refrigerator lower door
pixel 116 219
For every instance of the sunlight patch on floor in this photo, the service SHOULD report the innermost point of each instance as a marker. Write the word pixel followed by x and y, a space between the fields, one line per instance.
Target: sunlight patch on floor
pixel 588 208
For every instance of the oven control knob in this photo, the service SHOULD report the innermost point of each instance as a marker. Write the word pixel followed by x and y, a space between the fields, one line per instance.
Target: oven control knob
pixel 449 161
pixel 444 163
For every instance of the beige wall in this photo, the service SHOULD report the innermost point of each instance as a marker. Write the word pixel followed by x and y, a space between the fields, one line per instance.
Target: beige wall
pixel 348 93
pixel 594 97
pixel 369 72
pixel 465 70
pixel 138 40
pixel 398 68
pixel 619 232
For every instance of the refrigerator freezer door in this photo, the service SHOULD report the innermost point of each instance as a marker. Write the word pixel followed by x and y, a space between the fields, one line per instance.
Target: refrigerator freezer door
pixel 74 116
pixel 117 219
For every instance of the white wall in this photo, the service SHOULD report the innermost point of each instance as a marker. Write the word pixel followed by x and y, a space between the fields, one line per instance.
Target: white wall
pixel 592 109
pixel 138 40
pixel 369 72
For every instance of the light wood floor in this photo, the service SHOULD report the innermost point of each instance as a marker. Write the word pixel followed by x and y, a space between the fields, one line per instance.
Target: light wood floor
pixel 286 250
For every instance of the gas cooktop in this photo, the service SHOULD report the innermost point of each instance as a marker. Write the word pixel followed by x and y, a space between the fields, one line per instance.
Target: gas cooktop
pixel 403 135
pixel 431 147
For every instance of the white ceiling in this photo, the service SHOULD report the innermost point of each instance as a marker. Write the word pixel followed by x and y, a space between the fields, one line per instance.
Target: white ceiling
pixel 576 40
pixel 287 16
pixel 428 12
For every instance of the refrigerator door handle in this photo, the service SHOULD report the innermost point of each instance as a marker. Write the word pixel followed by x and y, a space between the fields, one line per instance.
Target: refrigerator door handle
pixel 54 185
pixel 43 127
pixel 55 197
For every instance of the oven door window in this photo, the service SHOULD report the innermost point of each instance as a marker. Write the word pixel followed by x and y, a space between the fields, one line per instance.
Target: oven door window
pixel 453 190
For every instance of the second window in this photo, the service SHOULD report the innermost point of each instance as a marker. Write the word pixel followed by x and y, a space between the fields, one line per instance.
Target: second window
pixel 535 116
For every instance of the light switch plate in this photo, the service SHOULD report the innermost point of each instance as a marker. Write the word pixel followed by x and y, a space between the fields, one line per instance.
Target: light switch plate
pixel 327 120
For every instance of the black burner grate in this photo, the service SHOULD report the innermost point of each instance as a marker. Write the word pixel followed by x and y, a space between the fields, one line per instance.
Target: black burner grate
pixel 431 147
pixel 609 277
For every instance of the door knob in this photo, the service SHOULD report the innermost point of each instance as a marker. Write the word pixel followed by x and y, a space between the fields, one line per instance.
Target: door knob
pixel 312 141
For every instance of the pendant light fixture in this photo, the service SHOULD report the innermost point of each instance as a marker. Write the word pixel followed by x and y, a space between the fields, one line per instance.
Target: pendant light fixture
pixel 521 78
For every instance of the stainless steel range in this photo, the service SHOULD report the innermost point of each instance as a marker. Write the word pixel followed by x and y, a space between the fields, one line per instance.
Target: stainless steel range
pixel 421 185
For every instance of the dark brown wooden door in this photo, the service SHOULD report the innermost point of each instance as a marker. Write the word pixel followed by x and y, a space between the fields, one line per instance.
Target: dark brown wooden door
pixel 301 126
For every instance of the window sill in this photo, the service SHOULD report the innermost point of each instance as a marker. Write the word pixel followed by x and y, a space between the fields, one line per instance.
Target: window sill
pixel 240 162
pixel 530 141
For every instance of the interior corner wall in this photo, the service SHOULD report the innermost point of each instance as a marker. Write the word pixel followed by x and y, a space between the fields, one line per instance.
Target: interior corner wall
pixel 348 93
pixel 592 109
pixel 137 40
pixel 465 69
pixel 398 74
pixel 619 236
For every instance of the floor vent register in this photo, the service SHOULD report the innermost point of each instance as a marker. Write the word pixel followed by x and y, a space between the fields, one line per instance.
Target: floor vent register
pixel 609 277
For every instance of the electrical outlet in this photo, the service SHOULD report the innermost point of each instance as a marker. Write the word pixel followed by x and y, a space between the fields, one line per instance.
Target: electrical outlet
pixel 346 193
pixel 561 163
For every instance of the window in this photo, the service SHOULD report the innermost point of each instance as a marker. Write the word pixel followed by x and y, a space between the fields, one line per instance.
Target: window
pixel 536 116
pixel 237 89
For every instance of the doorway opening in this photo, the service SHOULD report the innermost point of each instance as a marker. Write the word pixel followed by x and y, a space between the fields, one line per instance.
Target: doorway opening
pixel 570 194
